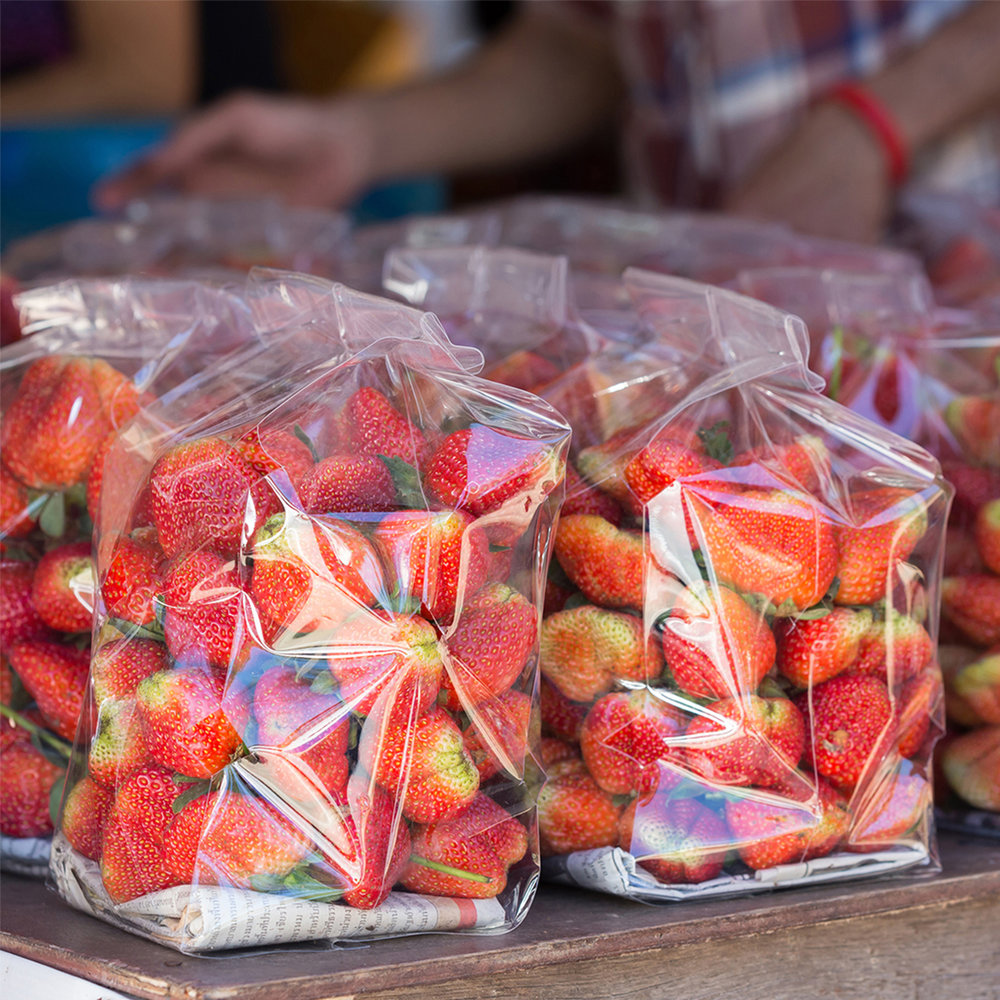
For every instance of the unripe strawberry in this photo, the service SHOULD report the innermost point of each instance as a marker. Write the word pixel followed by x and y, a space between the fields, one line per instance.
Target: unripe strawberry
pixel 987 534
pixel 118 746
pixel 979 685
pixel 971 763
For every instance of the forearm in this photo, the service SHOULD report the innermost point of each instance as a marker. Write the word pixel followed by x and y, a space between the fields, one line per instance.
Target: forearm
pixel 546 83
pixel 950 79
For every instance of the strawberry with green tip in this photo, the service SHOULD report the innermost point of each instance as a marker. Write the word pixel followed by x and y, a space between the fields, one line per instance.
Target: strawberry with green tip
pixel 848 719
pixel 118 746
pixel 978 684
pixel 118 666
pixel 200 493
pixel 183 721
pixel 883 527
pixel 56 677
pixel 424 764
pixel 715 644
pixel 574 812
pixel 440 558
pixel 54 424
pixel 971 765
pixel 987 534
pixel 812 651
pixel 584 650
pixel 84 815
pixel 480 469
pixel 63 587
pixel 972 603
pixel 631 742
pixel 605 562
pixel 974 421
pixel 894 649
pixel 677 841
pixel 489 646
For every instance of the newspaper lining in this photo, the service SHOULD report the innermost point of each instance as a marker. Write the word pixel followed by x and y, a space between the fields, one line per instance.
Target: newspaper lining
pixel 215 918
pixel 616 872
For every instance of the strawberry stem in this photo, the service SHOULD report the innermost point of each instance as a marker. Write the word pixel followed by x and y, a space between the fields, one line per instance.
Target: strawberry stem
pixel 448 870
pixel 56 742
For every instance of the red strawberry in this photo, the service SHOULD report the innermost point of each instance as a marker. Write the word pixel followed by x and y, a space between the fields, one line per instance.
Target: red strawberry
pixel 892 811
pixel 346 482
pixel 974 485
pixel 805 463
pixel 582 498
pixel 26 779
pixel 200 491
pixel 574 812
pixel 63 587
pixel 393 662
pixel 630 742
pixel 122 503
pixel 118 393
pixel 988 534
pixel 918 706
pixel 973 604
pixel 203 609
pixel 6 682
pixel 56 677
pixel 381 845
pixel 490 646
pixel 17 514
pixel 952 660
pixel 425 764
pixel 561 717
pixel 847 720
pixel 769 831
pixel 778 543
pixel 84 815
pixel 715 644
pixel 604 465
pixel 675 840
pixel 523 370
pixel 605 562
pixel 661 463
pixel 10 316
pixel 497 738
pixel 440 558
pixel 835 820
pixel 466 855
pixel 18 618
pixel 974 421
pixel 54 423
pixel 810 652
pixel 971 763
pixel 583 651
pixel 883 527
pixel 480 469
pixel 371 425
pixel 118 746
pixel 226 838
pixel 894 649
pixel 309 573
pixel 746 741
pixel 118 666
pixel 133 579
pixel 184 723
pixel 274 449
pixel 133 861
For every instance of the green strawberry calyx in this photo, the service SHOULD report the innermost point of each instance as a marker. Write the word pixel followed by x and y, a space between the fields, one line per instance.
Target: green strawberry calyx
pixel 449 870
pixel 38 732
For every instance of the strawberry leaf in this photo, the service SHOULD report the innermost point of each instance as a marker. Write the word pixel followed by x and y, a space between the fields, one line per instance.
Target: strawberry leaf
pixel 197 788
pixel 406 480
pixel 811 614
pixel 306 440
pixel 833 388
pixel 52 518
pixel 44 741
pixel 449 870
pixel 715 440
pixel 132 631
pixel 323 683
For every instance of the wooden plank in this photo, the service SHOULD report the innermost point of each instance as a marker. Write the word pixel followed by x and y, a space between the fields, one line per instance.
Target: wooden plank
pixel 567 933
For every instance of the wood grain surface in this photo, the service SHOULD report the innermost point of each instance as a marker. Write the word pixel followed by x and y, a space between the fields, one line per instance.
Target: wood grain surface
pixel 930 938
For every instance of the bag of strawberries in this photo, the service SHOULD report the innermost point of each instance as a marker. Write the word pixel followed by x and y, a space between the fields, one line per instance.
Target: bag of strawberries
pixel 317 717
pixel 93 353
pixel 738 655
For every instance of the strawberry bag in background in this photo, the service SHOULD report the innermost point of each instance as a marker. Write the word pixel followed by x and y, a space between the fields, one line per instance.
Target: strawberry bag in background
pixel 738 656
pixel 317 716
pixel 932 377
pixel 94 353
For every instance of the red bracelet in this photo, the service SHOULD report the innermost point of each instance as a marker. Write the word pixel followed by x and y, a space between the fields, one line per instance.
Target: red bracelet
pixel 878 118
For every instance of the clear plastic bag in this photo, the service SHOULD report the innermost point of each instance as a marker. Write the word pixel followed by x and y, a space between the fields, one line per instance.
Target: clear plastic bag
pixel 318 719
pixel 739 681
pixel 94 353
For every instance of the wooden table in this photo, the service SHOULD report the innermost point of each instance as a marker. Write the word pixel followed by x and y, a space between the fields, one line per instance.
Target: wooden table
pixel 934 938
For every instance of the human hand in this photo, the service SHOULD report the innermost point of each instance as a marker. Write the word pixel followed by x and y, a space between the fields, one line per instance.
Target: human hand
pixel 828 178
pixel 302 151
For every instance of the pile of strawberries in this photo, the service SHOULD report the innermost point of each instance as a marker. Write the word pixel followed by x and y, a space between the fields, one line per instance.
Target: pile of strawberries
pixel 736 656
pixel 316 649
pixel 970 603
pixel 62 413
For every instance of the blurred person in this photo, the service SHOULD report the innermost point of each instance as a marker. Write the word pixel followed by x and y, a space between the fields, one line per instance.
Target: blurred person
pixel 727 104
